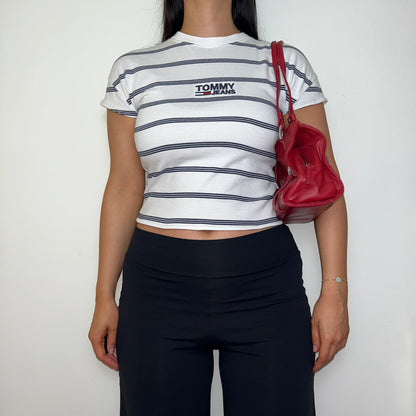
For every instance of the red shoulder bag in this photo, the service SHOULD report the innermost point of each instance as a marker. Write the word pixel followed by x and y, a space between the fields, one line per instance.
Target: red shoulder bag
pixel 307 183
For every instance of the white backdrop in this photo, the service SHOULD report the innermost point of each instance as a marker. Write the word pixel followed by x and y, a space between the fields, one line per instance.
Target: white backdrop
pixel 54 161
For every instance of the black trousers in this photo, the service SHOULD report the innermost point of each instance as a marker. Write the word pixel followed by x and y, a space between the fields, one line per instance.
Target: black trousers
pixel 244 296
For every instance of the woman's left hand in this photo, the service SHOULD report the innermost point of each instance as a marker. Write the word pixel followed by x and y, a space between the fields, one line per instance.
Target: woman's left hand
pixel 330 327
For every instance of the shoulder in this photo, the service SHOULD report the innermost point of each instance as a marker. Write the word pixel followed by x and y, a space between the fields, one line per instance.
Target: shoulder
pixel 143 55
pixel 301 78
pixel 299 68
pixel 292 53
pixel 298 63
pixel 294 57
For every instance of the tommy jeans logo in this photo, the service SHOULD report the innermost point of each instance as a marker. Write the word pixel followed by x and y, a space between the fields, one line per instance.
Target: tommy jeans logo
pixel 215 89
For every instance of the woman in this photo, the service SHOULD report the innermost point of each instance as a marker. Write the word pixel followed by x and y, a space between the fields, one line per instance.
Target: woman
pixel 206 263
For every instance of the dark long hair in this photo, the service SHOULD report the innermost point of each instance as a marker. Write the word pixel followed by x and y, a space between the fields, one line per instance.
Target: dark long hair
pixel 244 13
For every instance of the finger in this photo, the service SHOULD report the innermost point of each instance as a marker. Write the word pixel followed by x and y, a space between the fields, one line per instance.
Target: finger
pixel 111 342
pixel 108 359
pixel 315 337
pixel 324 356
pixel 345 339
pixel 97 341
pixel 343 343
pixel 335 346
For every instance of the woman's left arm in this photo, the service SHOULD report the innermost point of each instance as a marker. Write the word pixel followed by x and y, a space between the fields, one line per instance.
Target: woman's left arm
pixel 330 327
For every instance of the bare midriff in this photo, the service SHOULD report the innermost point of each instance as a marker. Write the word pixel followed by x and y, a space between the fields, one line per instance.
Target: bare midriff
pixel 198 234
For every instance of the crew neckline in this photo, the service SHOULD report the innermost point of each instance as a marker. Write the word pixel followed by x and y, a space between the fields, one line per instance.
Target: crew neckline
pixel 180 36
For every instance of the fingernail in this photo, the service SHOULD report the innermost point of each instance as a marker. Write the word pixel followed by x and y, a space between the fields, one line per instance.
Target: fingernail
pixel 111 349
pixel 315 348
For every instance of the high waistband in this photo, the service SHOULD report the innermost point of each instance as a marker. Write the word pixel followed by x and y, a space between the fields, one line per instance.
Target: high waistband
pixel 213 258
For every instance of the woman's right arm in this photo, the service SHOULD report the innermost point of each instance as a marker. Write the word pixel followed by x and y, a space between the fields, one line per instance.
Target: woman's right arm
pixel 122 200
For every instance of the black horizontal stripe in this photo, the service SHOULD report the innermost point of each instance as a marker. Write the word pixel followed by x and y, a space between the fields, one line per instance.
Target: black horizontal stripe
pixel 314 89
pixel 124 113
pixel 184 43
pixel 207 220
pixel 190 145
pixel 298 73
pixel 207 99
pixel 175 45
pixel 237 119
pixel 250 45
pixel 228 171
pixel 205 195
pixel 160 49
pixel 283 88
pixel 136 69
pixel 198 81
pixel 292 67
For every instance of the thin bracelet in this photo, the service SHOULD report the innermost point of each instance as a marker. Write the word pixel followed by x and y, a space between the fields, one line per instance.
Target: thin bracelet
pixel 337 279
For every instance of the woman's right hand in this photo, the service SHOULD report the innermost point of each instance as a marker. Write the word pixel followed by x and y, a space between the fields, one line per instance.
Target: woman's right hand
pixel 104 322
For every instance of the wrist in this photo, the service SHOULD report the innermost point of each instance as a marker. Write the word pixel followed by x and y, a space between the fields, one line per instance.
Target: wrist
pixel 336 279
pixel 104 296
pixel 334 290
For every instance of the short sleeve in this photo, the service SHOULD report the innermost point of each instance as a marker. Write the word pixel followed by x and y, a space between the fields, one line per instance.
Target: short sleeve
pixel 302 79
pixel 117 95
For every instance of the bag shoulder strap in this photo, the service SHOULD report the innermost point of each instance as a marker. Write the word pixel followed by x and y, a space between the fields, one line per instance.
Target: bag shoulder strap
pixel 279 63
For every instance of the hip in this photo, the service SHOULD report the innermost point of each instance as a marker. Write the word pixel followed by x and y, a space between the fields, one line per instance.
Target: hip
pixel 219 257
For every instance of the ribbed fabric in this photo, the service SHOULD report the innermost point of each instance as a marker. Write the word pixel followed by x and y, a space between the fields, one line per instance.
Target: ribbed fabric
pixel 205 110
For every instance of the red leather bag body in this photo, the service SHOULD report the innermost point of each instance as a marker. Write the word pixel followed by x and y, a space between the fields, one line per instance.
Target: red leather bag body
pixel 307 183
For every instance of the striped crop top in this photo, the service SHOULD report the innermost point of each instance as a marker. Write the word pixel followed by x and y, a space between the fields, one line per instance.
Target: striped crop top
pixel 205 110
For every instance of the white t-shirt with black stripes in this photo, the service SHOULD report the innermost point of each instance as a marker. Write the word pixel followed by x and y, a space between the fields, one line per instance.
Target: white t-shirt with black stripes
pixel 205 110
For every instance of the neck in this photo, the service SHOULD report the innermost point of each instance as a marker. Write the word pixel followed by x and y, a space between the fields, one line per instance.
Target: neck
pixel 208 18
